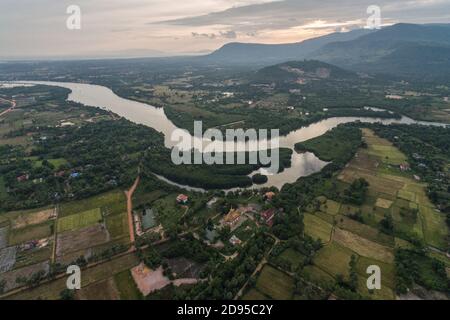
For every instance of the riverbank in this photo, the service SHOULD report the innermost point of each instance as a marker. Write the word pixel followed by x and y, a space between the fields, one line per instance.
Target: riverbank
pixel 153 117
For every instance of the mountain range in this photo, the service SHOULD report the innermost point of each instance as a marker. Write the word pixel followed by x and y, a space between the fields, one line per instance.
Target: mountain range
pixel 401 50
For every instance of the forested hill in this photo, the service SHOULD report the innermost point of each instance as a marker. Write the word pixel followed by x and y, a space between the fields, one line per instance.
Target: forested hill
pixel 301 71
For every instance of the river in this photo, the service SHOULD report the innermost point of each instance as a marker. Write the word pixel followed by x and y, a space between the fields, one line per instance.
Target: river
pixel 303 164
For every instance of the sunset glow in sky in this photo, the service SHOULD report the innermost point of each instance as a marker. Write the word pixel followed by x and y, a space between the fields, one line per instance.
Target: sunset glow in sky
pixel 37 28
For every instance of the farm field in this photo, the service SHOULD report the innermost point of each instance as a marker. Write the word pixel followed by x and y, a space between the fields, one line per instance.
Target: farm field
pixel 334 259
pixel 33 232
pixel 254 295
pixel 110 203
pixel 98 273
pixel 80 220
pixel 80 239
pixel 295 258
pixel 32 218
pixel 102 290
pixel 355 230
pixel 362 246
pixel 126 286
pixel 313 273
pixel 317 228
pixel 117 225
pixel 395 193
pixel 275 284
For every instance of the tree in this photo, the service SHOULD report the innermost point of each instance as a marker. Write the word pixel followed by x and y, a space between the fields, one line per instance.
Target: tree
pixel 387 224
pixel 67 294
pixel 353 283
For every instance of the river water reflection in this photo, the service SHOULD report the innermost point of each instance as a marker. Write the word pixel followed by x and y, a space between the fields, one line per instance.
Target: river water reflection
pixel 303 164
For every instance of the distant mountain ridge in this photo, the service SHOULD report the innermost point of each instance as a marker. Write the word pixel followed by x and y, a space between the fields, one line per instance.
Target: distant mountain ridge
pixel 371 47
pixel 275 53
pixel 411 50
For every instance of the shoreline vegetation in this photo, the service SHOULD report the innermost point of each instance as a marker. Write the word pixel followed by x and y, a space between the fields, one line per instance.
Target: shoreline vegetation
pixel 337 145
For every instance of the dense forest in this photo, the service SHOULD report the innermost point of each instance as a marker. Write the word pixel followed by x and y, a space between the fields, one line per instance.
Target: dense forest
pixel 337 145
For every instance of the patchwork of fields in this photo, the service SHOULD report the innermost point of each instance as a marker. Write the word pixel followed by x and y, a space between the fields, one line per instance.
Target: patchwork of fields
pixel 31 239
pixel 391 191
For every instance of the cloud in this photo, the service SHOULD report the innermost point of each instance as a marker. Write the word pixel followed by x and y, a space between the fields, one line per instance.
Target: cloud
pixel 277 15
pixel 37 28
pixel 222 34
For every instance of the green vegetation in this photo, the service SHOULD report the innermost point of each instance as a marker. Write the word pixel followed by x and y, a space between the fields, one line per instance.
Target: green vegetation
pixel 117 225
pixel 207 176
pixel 80 220
pixel 110 203
pixel 416 267
pixel 126 286
pixel 337 145
pixel 427 149
pixel 275 284
pixel 259 179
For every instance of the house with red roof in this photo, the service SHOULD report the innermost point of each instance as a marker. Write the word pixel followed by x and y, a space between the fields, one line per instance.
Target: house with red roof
pixel 268 216
pixel 182 199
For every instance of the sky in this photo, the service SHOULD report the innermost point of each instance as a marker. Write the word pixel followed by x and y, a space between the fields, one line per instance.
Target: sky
pixel 131 28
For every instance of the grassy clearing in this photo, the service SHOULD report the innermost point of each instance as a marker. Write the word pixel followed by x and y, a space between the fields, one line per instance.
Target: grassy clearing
pixel 34 232
pixel 383 203
pixel 317 275
pixel 275 284
pixel 326 217
pixel 169 212
pixel 317 228
pixel 57 163
pixel 117 225
pixel 26 219
pixel 386 293
pixel 334 259
pixel 362 246
pixel 407 195
pixel 254 295
pixel 365 231
pixel 79 221
pixel 126 286
pixel 331 207
pixel 141 198
pixel 111 203
pixel 294 257
pixel 103 290
pixel 25 258
pixel 434 226
pixel 383 148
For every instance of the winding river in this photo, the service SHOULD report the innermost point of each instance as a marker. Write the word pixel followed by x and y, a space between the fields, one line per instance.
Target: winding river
pixel 303 164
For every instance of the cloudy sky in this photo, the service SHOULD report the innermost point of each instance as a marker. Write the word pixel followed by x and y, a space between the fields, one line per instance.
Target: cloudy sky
pixel 37 28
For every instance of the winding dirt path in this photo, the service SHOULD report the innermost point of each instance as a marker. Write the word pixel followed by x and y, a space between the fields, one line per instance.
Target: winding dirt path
pixel 129 195
pixel 13 105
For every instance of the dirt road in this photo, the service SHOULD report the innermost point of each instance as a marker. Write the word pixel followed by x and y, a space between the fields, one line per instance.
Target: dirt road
pixel 129 195
pixel 13 105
